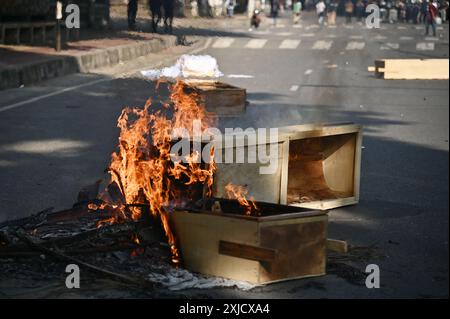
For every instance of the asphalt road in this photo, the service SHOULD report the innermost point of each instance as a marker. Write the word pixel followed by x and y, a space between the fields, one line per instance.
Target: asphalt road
pixel 53 142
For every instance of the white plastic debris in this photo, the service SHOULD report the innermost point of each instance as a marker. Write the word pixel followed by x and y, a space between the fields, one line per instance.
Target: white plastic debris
pixel 187 66
pixel 179 279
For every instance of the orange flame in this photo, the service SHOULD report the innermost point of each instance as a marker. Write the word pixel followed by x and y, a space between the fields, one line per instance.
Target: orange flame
pixel 240 193
pixel 142 166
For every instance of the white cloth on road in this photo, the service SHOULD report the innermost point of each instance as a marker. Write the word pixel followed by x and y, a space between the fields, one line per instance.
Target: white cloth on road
pixel 187 66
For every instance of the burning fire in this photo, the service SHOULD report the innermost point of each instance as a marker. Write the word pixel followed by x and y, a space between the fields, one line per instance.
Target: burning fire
pixel 240 193
pixel 142 168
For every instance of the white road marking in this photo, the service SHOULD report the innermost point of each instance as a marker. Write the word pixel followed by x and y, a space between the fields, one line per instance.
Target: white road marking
pixel 348 26
pixel 419 27
pixel 222 43
pixel 425 46
pixel 294 88
pixel 284 34
pixel 289 44
pixel 280 26
pixel 431 39
pixel 406 38
pixel 297 26
pixel 240 76
pixel 261 32
pixel 390 46
pixel 307 35
pixel 440 28
pixel 401 28
pixel 356 37
pixel 380 37
pixel 256 44
pixel 331 27
pixel 331 36
pixel 41 97
pixel 308 72
pixel 353 45
pixel 322 45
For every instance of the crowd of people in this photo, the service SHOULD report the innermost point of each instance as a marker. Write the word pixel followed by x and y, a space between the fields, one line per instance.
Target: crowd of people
pixel 404 11
pixel 428 12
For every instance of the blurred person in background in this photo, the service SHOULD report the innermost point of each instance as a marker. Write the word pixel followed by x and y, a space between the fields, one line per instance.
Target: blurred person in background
pixel 332 11
pixel 423 11
pixel 132 7
pixel 443 11
pixel 255 20
pixel 431 17
pixel 320 10
pixel 296 11
pixel 274 9
pixel 230 4
pixel 349 11
pixel 359 10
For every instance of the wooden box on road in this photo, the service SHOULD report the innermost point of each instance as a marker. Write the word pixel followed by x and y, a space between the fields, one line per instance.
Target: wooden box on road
pixel 283 243
pixel 219 98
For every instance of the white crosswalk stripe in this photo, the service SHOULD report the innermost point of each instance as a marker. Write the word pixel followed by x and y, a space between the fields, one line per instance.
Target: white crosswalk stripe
pixel 380 37
pixel 390 46
pixel 294 88
pixel 406 38
pixel 309 35
pixel 356 37
pixel 353 45
pixel 297 26
pixel 322 45
pixel 332 27
pixel 256 44
pixel 420 27
pixel 348 26
pixel 284 34
pixel 425 46
pixel 261 32
pixel 401 28
pixel 431 39
pixel 289 44
pixel 222 43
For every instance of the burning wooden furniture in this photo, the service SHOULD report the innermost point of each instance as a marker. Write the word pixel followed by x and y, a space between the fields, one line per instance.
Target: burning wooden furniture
pixel 318 167
pixel 282 242
pixel 411 69
pixel 219 98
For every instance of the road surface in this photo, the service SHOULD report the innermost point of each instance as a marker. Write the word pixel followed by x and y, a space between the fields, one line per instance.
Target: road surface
pixel 57 136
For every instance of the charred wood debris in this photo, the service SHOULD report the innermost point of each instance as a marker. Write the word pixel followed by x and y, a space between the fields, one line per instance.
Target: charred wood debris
pixel 118 255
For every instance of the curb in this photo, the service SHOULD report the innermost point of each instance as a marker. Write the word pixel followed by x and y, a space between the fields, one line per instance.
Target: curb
pixel 25 74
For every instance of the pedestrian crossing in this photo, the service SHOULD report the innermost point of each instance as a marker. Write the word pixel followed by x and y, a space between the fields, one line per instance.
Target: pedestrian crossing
pixel 256 44
pixel 322 45
pixel 352 44
pixel 223 43
pixel 289 44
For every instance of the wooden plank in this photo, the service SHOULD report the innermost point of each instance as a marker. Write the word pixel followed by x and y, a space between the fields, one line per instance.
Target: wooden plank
pixel 339 246
pixel 247 251
pixel 411 69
